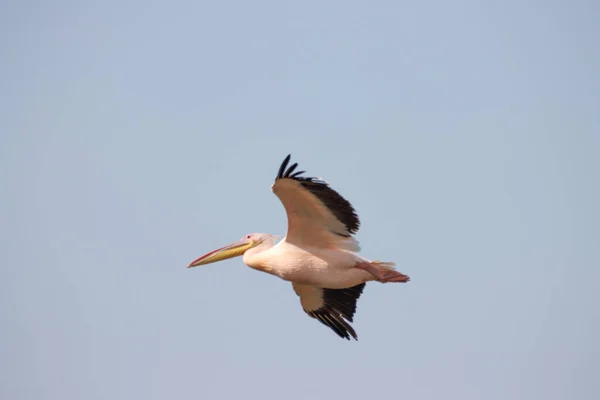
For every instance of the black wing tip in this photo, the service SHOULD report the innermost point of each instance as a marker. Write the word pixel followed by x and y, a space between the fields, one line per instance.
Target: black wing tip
pixel 280 173
pixel 331 319
pixel 339 310
pixel 288 172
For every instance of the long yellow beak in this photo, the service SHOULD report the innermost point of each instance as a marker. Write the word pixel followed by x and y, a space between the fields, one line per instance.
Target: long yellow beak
pixel 232 250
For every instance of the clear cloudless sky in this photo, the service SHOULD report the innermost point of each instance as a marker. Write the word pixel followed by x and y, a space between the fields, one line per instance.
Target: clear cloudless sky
pixel 137 135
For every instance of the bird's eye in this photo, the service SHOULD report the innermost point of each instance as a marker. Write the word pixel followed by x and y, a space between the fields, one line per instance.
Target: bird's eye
pixel 248 237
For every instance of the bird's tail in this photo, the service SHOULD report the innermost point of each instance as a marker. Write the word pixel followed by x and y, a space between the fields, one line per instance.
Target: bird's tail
pixel 385 264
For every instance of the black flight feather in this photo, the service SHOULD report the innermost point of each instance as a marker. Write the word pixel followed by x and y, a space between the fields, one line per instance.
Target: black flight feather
pixel 340 305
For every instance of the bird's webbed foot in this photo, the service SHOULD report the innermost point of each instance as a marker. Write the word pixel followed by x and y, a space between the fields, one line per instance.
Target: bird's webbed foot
pixel 381 272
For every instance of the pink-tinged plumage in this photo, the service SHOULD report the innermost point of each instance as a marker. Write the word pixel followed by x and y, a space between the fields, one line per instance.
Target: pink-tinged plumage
pixel 318 254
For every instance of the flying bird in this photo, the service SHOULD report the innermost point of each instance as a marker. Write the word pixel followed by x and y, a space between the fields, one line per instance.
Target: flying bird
pixel 318 255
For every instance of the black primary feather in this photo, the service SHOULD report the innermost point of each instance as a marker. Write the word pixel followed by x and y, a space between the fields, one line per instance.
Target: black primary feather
pixel 340 305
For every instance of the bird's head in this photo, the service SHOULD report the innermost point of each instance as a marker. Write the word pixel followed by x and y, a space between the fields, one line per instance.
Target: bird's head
pixel 235 249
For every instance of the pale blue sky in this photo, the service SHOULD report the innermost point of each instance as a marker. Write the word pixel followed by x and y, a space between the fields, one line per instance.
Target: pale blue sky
pixel 138 135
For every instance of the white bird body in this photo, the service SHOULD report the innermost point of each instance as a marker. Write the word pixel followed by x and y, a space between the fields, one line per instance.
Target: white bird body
pixel 323 267
pixel 318 255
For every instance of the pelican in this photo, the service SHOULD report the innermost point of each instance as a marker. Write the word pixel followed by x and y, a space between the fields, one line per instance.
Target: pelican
pixel 318 254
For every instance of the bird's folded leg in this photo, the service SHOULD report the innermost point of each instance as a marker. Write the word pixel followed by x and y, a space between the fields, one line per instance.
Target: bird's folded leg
pixel 382 271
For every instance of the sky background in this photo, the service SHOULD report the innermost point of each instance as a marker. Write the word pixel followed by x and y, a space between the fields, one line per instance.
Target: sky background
pixel 138 135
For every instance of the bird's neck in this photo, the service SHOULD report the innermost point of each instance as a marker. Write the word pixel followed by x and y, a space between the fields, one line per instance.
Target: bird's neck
pixel 257 258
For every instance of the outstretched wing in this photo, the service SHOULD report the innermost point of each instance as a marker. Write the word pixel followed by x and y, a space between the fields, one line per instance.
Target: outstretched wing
pixel 317 214
pixel 334 308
